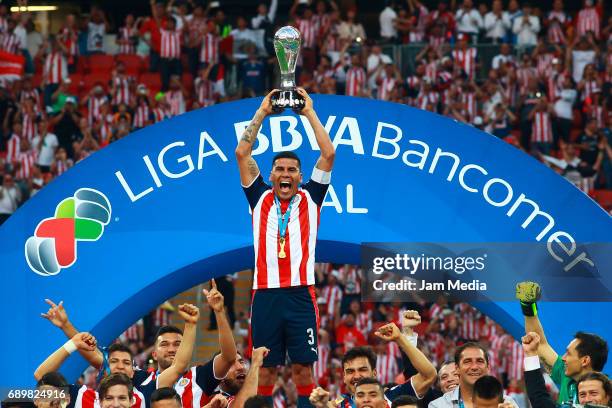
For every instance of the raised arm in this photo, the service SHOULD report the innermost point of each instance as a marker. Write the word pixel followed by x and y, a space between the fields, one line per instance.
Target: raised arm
pixel 246 164
pixel 80 341
pixel 223 361
pixel 426 372
pixel 528 293
pixel 249 388
pixel 328 152
pixel 168 377
pixel 58 316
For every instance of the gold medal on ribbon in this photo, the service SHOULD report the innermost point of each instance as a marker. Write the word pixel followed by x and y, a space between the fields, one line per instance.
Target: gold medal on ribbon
pixel 281 253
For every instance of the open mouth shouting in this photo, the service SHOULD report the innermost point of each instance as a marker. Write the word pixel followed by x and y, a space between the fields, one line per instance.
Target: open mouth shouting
pixel 285 186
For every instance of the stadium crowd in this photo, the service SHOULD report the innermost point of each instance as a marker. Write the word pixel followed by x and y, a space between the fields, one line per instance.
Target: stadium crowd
pixel 547 91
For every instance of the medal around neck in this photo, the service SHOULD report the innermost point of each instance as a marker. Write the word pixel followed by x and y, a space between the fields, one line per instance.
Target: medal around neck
pixel 287 42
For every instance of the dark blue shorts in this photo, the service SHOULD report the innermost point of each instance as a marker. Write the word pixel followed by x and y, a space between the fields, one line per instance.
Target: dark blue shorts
pixel 286 321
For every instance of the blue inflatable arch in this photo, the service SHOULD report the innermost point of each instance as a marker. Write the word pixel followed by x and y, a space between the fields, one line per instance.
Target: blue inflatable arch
pixel 162 210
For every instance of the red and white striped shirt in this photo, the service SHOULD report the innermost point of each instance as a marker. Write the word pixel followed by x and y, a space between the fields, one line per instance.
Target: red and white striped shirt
pixel 386 368
pixel 13 148
pixel 141 116
pixel 61 166
pixel 279 400
pixel 599 114
pixel 161 317
pixel 352 280
pixel 29 126
pixel 205 92
pixel 544 64
pixel 590 87
pixel 469 328
pixel 127 33
pixel 69 38
pixel 55 69
pixel 429 98
pixel 160 114
pixel 523 75
pixel 431 70
pixel 515 361
pixel 363 322
pixel 26 161
pixel 588 20
pixel 355 81
pixel 122 93
pixel 385 88
pixel 466 60
pixel 333 297
pixel 437 42
pixel 93 108
pixel 176 101
pixel 209 52
pixel 556 21
pixel 170 44
pixel 297 268
pixel 320 366
pixel 10 43
pixel 32 93
pixel 132 332
pixel 541 128
pixel 105 131
pixel 88 398
pixel 308 29
pixel 471 106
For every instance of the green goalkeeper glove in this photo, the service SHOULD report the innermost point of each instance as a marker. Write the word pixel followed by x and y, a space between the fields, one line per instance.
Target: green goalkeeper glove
pixel 528 293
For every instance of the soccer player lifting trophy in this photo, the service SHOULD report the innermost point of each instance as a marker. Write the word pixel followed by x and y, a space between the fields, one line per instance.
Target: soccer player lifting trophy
pixel 287 42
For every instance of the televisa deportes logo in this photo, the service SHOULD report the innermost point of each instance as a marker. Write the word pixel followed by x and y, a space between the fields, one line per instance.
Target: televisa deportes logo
pixel 81 217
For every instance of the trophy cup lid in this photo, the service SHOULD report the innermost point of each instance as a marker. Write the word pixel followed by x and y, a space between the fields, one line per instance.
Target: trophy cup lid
pixel 287 33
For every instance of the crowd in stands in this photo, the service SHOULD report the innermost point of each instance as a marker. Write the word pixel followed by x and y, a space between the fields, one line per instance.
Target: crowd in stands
pixel 547 91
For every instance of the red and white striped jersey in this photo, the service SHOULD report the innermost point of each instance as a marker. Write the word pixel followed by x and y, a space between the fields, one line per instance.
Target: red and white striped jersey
pixel 122 94
pixel 10 43
pixel 93 108
pixel 413 82
pixel 132 332
pixel 160 114
pixel 541 128
pixel 436 346
pixel 25 161
pixel 386 368
pixel 320 366
pixel 170 44
pixel 523 75
pixel 429 98
pixel 393 349
pixel 589 88
pixel 515 361
pixel 196 387
pixel 69 38
pixel 141 116
pixel 431 70
pixel 436 42
pixel 333 297
pixel 498 344
pixel 209 53
pixel 471 106
pixel 55 69
pixel 105 131
pixel 588 20
pixel 13 148
pixel 29 126
pixel 554 85
pixel 32 93
pixel 556 20
pixel 469 328
pixel 385 88
pixel 88 398
pixel 279 400
pixel 352 280
pixel 297 268
pixel 599 114
pixel 308 29
pixel 466 60
pixel 205 92
pixel 161 317
pixel 321 22
pixel 127 33
pixel 176 101
pixel 61 166
pixel 544 64
pixel 435 311
pixel 355 81
pixel 363 322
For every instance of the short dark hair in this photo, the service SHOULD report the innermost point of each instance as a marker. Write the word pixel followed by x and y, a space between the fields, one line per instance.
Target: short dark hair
pixel 166 393
pixel 286 155
pixel 54 379
pixel 470 344
pixel 593 346
pixel 488 387
pixel 597 376
pixel 257 401
pixel 119 347
pixel 404 400
pixel 357 352
pixel 112 380
pixel 370 380
pixel 167 329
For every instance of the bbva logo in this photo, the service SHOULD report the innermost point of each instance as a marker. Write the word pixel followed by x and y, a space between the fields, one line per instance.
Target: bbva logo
pixel 81 217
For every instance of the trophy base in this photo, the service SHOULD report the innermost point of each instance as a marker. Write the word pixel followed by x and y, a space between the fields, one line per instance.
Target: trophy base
pixel 288 98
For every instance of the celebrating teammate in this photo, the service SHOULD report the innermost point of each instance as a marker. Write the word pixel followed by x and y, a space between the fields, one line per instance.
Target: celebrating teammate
pixel 285 223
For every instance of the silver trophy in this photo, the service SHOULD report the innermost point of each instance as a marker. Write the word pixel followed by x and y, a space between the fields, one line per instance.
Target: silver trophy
pixel 287 41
